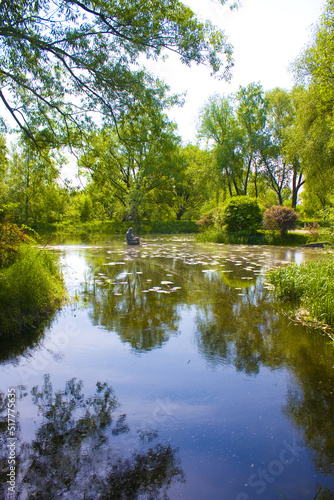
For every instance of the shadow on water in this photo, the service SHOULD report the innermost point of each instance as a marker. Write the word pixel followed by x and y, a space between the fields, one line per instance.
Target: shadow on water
pixel 78 452
pixel 12 347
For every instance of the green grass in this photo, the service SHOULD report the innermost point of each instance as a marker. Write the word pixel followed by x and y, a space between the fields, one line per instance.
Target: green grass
pixel 215 235
pixel 311 285
pixel 30 290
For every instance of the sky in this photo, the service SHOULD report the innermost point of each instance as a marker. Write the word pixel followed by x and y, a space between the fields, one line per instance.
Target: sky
pixel 267 36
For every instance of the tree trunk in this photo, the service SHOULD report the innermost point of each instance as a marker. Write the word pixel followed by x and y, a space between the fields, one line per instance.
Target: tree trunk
pixel 296 184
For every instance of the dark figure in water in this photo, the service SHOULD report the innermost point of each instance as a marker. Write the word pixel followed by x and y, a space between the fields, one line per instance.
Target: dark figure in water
pixel 130 239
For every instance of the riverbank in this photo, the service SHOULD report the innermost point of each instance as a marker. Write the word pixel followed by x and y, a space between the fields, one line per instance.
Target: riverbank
pixel 31 290
pixel 309 288
pixel 215 235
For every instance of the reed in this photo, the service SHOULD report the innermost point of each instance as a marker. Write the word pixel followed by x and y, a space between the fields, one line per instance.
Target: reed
pixel 310 284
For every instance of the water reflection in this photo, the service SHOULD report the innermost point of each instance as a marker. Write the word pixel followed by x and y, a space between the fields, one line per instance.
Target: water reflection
pixel 11 348
pixel 310 403
pixel 73 453
pixel 142 310
pixel 216 360
pixel 140 294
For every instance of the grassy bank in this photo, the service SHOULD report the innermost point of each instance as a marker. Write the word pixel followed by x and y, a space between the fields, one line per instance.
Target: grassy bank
pixel 310 287
pixel 30 290
pixel 215 235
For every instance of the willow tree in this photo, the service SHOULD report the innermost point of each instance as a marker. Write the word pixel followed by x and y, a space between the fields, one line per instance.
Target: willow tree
pixel 252 109
pixel 220 128
pixel 139 170
pixel 314 70
pixel 277 168
pixel 62 61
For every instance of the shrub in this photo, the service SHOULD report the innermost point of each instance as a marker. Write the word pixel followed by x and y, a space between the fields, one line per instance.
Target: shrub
pixel 279 218
pixel 328 223
pixel 11 237
pixel 208 219
pixel 242 214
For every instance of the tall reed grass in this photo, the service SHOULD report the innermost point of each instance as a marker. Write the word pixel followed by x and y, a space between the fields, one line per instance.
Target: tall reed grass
pixel 30 289
pixel 311 284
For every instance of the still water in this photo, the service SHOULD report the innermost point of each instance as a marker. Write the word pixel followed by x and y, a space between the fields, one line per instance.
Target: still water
pixel 172 373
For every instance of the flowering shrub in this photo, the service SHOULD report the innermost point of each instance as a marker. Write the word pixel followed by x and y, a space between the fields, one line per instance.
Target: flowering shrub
pixel 280 218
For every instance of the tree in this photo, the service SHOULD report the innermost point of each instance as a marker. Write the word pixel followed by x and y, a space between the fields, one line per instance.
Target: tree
pixel 314 70
pixel 219 127
pixel 140 169
pixel 3 170
pixel 195 182
pixel 62 61
pixel 294 143
pixel 275 165
pixel 252 108
pixel 32 181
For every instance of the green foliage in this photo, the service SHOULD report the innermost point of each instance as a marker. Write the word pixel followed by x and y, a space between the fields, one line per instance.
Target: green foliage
pixel 210 219
pixel 242 214
pixel 328 221
pixel 216 235
pixel 280 218
pixel 32 183
pixel 220 126
pixel 315 114
pixel 30 290
pixel 60 60
pixel 11 238
pixel 140 170
pixel 196 181
pixel 110 228
pixel 312 284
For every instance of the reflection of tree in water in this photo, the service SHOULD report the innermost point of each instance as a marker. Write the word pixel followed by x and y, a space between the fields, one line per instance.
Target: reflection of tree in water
pixel 232 330
pixel 119 296
pixel 72 454
pixel 145 319
pixel 310 401
pixel 238 329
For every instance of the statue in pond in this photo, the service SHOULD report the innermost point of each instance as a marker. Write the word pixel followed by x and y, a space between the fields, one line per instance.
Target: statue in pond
pixel 130 239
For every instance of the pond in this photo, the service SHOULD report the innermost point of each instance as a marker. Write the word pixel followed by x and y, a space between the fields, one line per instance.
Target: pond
pixel 172 373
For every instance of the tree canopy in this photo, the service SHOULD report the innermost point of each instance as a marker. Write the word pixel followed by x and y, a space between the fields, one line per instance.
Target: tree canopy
pixel 63 61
